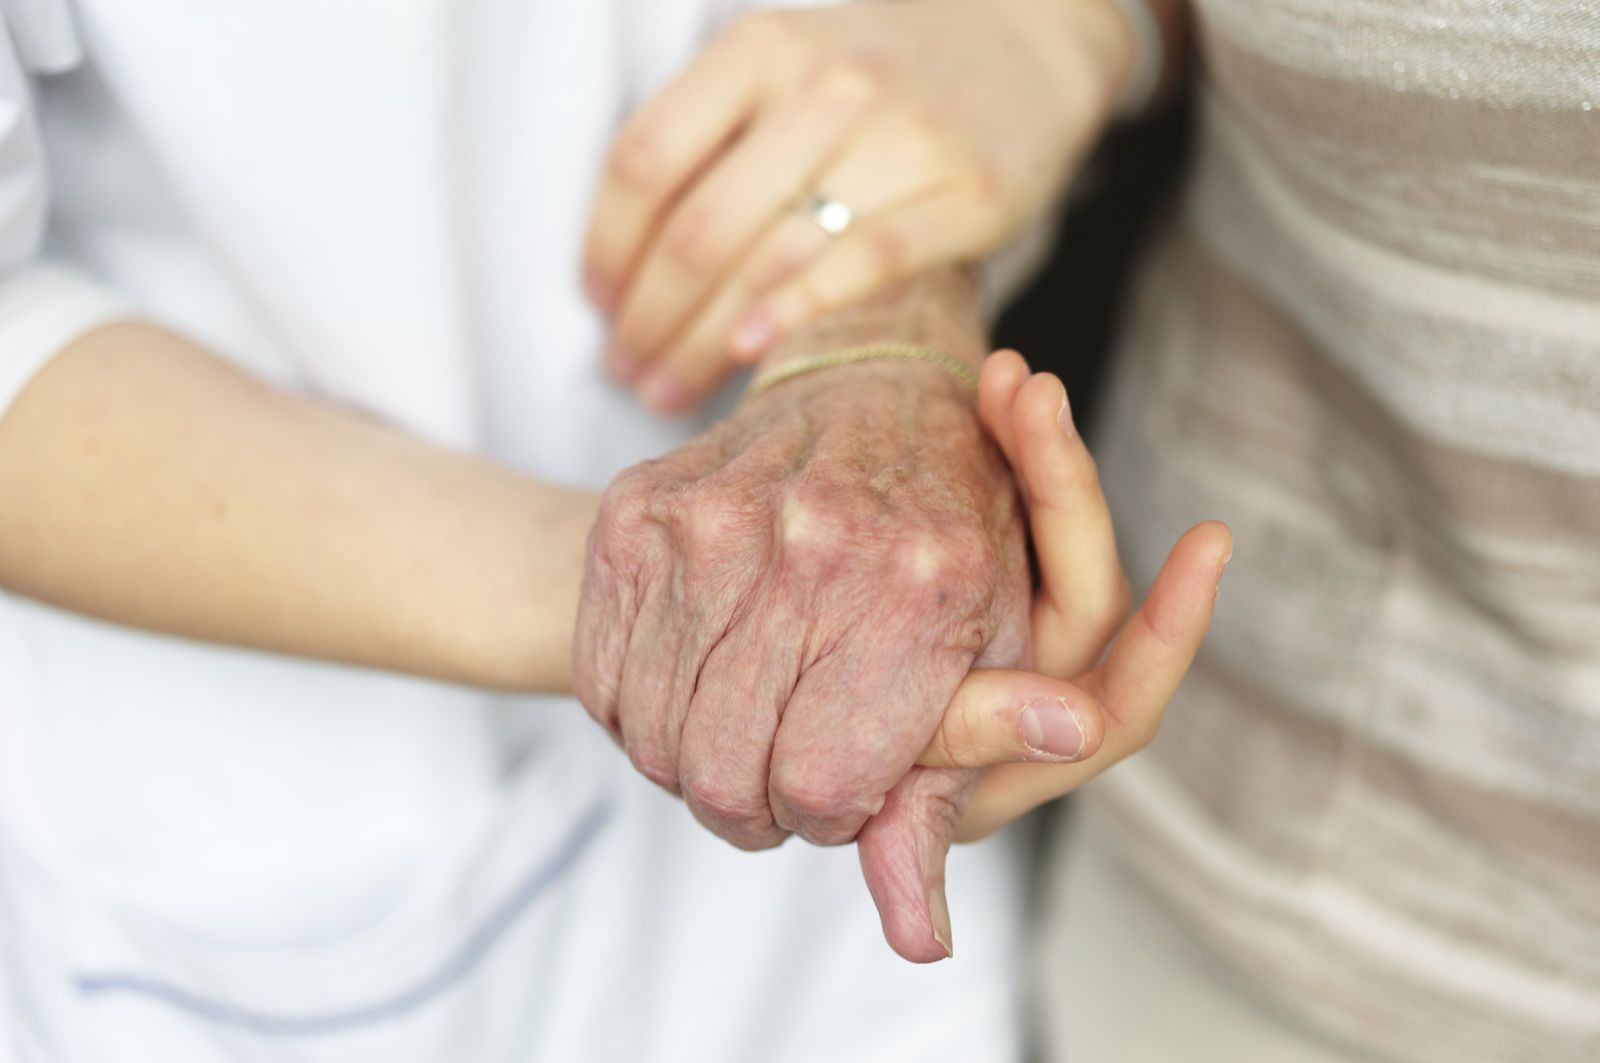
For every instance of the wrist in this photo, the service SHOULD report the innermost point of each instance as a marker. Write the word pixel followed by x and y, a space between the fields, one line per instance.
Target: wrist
pixel 503 604
pixel 870 352
pixel 873 392
pixel 1086 47
pixel 939 309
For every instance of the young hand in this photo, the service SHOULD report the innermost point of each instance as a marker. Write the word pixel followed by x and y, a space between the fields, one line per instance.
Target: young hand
pixel 943 126
pixel 1083 708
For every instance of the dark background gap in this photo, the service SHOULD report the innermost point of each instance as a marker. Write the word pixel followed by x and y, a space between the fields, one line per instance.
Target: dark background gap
pixel 1064 321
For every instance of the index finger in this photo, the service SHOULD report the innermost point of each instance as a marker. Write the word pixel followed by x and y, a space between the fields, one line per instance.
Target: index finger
pixel 1157 645
pixel 1083 596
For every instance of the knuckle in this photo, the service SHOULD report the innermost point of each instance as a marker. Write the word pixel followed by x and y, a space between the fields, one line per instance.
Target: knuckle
pixel 625 507
pixel 955 557
pixel 693 241
pixel 669 508
pixel 637 157
pixel 940 811
pixel 928 561
pixel 723 802
pixel 804 519
pixel 960 740
pixel 1168 640
pixel 814 796
pixel 823 526
pixel 651 761
pixel 707 517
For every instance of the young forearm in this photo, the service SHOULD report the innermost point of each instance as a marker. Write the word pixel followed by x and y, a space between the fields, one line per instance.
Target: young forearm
pixel 146 482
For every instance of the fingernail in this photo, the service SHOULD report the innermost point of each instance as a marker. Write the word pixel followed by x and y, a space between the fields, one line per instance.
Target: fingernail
pixel 939 909
pixel 753 336
pixel 1064 415
pixel 1050 728
pixel 663 394
pixel 621 364
pixel 601 295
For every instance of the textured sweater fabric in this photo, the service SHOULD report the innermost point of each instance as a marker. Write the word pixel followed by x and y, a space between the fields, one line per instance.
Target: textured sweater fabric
pixel 1371 343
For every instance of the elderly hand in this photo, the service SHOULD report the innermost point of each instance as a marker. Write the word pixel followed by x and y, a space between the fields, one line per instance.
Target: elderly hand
pixel 1083 709
pixel 775 616
pixel 780 618
pixel 943 125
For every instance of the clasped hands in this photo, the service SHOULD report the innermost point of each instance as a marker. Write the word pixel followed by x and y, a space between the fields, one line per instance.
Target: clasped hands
pixel 818 619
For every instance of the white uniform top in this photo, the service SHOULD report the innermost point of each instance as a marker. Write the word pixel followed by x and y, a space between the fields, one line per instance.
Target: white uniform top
pixel 210 854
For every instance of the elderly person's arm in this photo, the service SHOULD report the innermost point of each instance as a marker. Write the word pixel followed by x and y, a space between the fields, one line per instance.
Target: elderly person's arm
pixel 776 614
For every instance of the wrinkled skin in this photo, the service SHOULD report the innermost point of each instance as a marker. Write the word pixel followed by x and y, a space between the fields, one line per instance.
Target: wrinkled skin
pixel 775 616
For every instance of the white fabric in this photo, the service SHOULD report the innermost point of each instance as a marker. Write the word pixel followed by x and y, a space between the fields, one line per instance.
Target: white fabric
pixel 43 307
pixel 208 854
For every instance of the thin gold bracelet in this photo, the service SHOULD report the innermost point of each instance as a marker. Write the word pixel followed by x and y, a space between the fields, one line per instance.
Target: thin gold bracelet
pixel 869 352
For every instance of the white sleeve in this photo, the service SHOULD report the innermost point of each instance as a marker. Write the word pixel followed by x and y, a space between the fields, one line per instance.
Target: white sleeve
pixel 43 306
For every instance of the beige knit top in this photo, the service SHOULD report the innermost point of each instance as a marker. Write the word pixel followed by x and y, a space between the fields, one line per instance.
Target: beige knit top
pixel 1372 345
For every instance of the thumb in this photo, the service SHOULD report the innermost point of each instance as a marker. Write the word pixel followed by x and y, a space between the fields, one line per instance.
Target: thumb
pixel 1001 716
pixel 903 850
